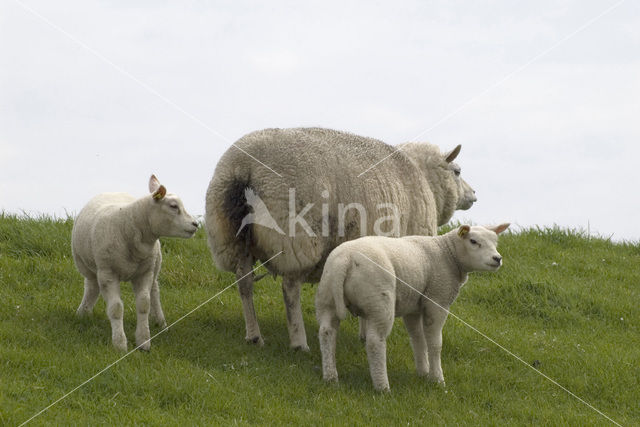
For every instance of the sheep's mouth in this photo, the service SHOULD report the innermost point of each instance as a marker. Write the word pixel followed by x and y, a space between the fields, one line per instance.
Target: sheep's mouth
pixel 494 265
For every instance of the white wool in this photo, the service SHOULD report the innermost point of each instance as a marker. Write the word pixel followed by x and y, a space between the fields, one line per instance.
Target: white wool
pixel 114 239
pixel 416 277
pixel 327 170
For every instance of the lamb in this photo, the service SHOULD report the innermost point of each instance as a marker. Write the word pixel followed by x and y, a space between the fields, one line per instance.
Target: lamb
pixel 285 190
pixel 417 277
pixel 114 239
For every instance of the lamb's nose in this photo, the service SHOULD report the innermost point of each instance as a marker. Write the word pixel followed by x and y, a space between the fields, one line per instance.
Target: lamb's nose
pixel 497 259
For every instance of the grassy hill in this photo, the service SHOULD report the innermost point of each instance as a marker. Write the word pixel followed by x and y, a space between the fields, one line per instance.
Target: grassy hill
pixel 566 304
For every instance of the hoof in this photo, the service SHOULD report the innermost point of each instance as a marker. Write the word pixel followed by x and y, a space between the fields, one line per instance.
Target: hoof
pixel 82 312
pixel 255 340
pixel 304 348
pixel 331 378
pixel 145 346
pixel 122 347
pixel 437 381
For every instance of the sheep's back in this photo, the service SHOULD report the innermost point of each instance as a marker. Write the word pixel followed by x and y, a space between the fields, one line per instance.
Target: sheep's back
pixel 323 167
pixel 98 209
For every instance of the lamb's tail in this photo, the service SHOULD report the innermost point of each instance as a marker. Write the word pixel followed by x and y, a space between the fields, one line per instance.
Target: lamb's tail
pixel 333 278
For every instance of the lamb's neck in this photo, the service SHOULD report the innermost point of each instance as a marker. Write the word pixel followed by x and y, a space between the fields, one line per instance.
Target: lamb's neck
pixel 138 215
pixel 448 254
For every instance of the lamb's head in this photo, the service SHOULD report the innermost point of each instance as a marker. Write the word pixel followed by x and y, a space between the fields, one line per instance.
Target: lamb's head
pixel 444 176
pixel 476 247
pixel 167 215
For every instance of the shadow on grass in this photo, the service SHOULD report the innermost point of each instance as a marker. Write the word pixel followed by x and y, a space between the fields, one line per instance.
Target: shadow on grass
pixel 215 343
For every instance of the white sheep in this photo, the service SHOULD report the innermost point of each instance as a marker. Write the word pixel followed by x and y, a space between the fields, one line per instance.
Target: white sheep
pixel 379 278
pixel 114 239
pixel 304 191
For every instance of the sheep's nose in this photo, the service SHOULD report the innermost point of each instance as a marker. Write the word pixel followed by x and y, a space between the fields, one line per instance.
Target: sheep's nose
pixel 497 259
pixel 195 224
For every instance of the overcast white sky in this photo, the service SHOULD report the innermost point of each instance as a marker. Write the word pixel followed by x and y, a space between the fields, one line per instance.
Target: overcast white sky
pixel 543 96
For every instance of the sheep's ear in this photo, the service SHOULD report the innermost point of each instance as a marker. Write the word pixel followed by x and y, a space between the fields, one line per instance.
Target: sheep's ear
pixel 159 193
pixel 463 230
pixel 500 228
pixel 451 155
pixel 154 184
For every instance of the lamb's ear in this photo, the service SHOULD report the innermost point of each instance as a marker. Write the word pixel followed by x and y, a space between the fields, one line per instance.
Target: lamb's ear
pixel 463 230
pixel 500 228
pixel 451 155
pixel 159 193
pixel 157 190
pixel 154 184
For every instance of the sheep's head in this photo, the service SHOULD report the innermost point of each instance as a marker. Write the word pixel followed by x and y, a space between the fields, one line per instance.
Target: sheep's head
pixel 444 176
pixel 476 247
pixel 167 216
pixel 466 194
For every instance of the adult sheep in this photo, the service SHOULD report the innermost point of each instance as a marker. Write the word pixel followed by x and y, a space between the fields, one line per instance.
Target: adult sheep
pixel 304 191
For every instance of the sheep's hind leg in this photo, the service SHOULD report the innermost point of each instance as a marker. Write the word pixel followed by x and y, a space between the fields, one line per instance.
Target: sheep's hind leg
pixel 295 322
pixel 413 322
pixel 362 326
pixel 91 294
pixel 142 290
pixel 244 275
pixel 110 289
pixel 156 308
pixel 327 335
pixel 376 346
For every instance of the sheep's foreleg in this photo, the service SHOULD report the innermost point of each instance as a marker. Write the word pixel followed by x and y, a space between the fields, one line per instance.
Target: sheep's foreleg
pixel 110 290
pixel 244 276
pixel 413 322
pixel 295 322
pixel 434 318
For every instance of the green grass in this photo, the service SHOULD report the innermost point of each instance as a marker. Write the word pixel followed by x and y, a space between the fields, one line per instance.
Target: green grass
pixel 563 302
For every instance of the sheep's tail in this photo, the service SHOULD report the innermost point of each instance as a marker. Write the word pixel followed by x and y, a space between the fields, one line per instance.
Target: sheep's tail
pixel 333 277
pixel 229 233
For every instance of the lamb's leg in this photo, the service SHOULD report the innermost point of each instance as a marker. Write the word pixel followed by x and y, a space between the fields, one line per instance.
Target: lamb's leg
pixel 376 346
pixel 434 318
pixel 327 334
pixel 91 294
pixel 295 322
pixel 245 287
pixel 362 326
pixel 110 289
pixel 413 322
pixel 156 308
pixel 142 290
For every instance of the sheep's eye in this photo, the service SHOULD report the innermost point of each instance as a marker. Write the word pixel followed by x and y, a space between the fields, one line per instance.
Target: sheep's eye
pixel 174 206
pixel 457 172
pixel 473 241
